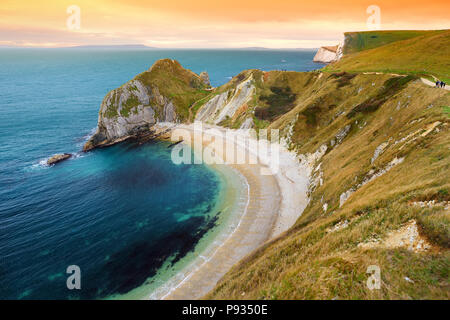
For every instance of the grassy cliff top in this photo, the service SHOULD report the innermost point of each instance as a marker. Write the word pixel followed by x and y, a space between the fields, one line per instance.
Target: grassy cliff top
pixel 169 80
pixel 366 121
pixel 424 53
pixel 360 41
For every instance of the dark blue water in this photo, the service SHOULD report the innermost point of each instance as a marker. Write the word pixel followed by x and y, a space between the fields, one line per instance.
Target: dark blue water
pixel 117 213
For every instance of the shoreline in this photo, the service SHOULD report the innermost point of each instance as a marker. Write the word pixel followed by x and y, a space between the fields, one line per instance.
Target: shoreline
pixel 274 202
pixel 231 202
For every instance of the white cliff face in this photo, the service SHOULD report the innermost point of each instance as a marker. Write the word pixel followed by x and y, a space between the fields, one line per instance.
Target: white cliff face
pixel 247 124
pixel 133 105
pixel 163 93
pixel 129 109
pixel 329 54
pixel 324 56
pixel 339 51
pixel 242 94
pixel 211 109
pixel 221 106
pixel 116 117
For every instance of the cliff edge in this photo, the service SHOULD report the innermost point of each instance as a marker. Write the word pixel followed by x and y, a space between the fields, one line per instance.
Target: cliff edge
pixel 163 93
pixel 328 54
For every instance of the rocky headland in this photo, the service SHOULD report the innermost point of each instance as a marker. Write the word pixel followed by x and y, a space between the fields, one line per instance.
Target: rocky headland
pixel 161 94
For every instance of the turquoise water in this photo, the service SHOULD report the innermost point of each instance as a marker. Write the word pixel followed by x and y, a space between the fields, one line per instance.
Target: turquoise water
pixel 118 213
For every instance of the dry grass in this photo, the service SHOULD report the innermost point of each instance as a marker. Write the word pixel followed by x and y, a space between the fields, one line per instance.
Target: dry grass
pixel 425 54
pixel 183 87
pixel 307 262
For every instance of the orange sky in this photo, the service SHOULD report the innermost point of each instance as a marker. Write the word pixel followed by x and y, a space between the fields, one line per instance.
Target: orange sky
pixel 208 23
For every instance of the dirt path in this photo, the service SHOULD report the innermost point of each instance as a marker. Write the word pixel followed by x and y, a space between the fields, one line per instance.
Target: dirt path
pixel 432 84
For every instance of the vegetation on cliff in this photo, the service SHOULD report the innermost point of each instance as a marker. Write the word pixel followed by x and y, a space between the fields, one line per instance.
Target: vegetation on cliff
pixel 377 145
pixel 376 141
pixel 165 92
pixel 360 41
pixel 392 158
pixel 181 86
pixel 422 53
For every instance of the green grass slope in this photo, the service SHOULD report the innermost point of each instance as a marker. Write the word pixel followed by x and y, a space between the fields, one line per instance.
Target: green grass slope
pixel 426 55
pixel 359 41
pixel 326 254
pixel 182 86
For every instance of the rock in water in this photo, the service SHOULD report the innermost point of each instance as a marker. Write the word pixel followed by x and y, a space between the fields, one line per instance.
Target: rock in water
pixel 58 158
pixel 205 78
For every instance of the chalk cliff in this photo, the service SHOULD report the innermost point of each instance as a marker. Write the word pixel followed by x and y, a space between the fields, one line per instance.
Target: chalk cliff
pixel 163 93
pixel 169 93
pixel 328 54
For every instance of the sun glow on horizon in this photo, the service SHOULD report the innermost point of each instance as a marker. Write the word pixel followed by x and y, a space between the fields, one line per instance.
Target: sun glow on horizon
pixel 206 24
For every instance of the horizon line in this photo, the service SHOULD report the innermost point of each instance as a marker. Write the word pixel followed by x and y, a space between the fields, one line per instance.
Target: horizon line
pixel 145 47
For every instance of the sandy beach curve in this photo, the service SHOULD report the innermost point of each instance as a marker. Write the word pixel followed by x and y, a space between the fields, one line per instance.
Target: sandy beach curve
pixel 274 202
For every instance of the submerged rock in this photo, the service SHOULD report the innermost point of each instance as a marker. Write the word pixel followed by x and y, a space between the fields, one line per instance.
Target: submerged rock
pixel 58 158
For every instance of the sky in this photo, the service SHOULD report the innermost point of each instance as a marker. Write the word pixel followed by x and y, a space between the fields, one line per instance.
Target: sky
pixel 209 23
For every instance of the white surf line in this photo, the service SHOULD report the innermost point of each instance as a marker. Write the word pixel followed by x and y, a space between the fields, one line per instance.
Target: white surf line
pixel 290 188
pixel 217 249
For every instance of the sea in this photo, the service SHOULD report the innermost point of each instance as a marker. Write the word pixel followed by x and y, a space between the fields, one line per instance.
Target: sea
pixel 118 220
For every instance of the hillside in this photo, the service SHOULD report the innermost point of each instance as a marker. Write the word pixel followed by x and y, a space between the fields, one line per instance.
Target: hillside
pixel 376 147
pixel 165 92
pixel 424 53
pixel 360 41
pixel 380 148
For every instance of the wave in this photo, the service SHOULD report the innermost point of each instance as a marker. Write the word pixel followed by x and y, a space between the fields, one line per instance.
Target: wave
pixel 42 163
pixel 85 138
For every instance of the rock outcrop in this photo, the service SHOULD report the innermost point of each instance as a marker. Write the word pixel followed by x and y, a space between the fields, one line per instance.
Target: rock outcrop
pixel 227 103
pixel 205 78
pixel 58 158
pixel 247 124
pixel 164 93
pixel 328 54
